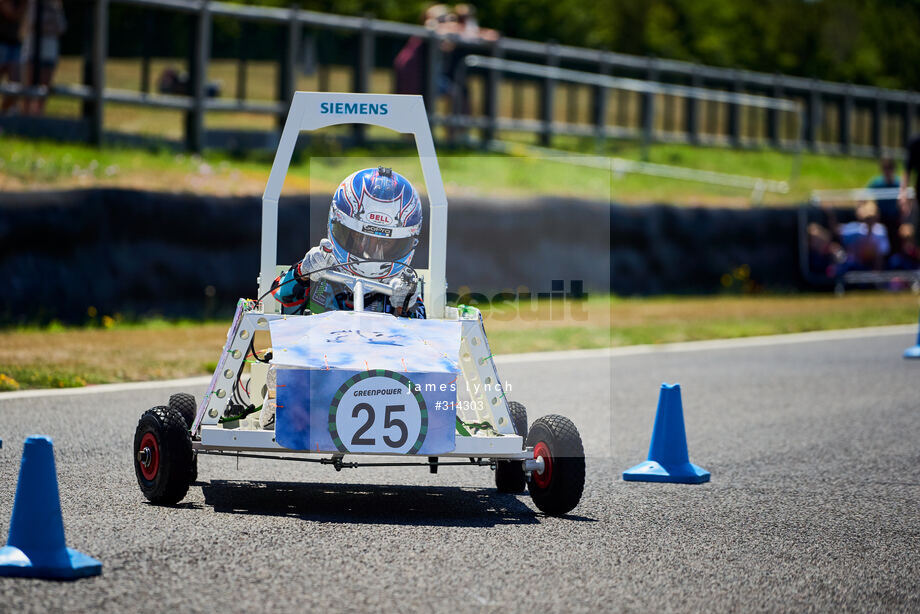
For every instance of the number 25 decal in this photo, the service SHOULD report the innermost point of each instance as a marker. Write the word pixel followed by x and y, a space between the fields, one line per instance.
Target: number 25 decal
pixel 388 422
pixel 403 426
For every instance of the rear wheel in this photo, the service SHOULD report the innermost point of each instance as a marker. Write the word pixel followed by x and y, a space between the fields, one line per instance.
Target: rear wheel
pixel 509 475
pixel 557 489
pixel 163 457
pixel 184 403
pixel 518 418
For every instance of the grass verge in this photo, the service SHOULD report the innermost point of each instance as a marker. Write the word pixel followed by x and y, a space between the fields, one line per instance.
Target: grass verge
pixel 27 165
pixel 61 357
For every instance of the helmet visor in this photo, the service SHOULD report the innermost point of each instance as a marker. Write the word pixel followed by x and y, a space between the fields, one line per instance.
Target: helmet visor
pixel 370 247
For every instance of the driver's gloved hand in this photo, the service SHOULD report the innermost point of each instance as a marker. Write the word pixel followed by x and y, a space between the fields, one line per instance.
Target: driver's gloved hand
pixel 317 258
pixel 405 291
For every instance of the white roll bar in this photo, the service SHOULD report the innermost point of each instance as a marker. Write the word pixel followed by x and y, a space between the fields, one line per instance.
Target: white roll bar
pixel 403 114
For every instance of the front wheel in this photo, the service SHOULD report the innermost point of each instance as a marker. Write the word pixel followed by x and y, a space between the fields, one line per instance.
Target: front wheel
pixel 557 489
pixel 163 459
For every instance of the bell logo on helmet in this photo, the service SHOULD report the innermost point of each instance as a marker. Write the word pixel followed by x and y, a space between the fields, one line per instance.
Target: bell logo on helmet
pixel 379 218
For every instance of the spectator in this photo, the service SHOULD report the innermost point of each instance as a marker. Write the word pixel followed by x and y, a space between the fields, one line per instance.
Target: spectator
pixel 409 64
pixel 908 255
pixel 888 208
pixel 53 24
pixel 824 254
pixel 469 26
pixel 911 165
pixel 12 16
pixel 865 240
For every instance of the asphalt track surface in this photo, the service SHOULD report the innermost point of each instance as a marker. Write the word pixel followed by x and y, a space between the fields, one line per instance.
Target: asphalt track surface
pixel 813 505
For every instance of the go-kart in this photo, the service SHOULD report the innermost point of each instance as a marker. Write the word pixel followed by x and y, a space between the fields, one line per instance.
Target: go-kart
pixel 339 385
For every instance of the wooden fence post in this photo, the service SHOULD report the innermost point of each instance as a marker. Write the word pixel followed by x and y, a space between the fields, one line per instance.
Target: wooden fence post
pixel 878 116
pixel 198 77
pixel 547 96
pixel 599 108
pixel 492 91
pixel 813 113
pixel 845 122
pixel 774 123
pixel 647 115
pixel 86 65
pixel 909 111
pixel 692 111
pixel 287 76
pixel 99 54
pixel 734 113
pixel 364 66
pixel 147 40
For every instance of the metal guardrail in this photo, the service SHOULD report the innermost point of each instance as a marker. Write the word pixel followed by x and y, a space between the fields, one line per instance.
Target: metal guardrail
pixel 601 84
pixel 623 83
pixel 815 95
pixel 159 101
pixel 859 194
pixel 880 277
pixel 622 166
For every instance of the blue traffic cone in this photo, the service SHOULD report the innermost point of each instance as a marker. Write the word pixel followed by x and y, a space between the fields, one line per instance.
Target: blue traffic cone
pixel 668 460
pixel 36 547
pixel 914 352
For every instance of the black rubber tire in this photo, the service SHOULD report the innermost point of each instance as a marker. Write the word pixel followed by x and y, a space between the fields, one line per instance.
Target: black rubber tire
pixel 193 470
pixel 566 480
pixel 171 476
pixel 184 403
pixel 509 477
pixel 518 418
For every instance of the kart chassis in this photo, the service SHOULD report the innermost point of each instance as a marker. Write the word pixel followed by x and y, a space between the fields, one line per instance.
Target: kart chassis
pixel 406 114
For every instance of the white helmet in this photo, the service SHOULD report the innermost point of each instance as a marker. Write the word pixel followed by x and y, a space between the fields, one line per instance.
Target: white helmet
pixel 376 214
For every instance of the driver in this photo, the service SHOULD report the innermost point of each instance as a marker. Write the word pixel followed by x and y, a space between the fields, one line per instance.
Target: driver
pixel 374 223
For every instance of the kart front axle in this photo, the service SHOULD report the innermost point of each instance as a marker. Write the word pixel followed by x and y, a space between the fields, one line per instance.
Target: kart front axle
pixel 339 464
